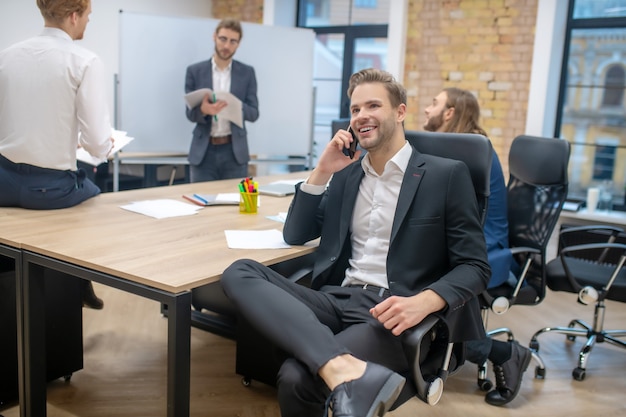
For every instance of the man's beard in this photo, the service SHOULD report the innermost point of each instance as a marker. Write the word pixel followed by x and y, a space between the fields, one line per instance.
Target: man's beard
pixel 222 56
pixel 434 123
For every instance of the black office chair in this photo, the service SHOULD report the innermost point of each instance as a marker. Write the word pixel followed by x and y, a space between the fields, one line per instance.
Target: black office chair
pixel 428 347
pixel 536 190
pixel 596 272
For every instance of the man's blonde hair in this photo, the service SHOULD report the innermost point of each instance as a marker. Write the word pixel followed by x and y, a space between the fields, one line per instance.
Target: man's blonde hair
pixel 397 93
pixel 57 10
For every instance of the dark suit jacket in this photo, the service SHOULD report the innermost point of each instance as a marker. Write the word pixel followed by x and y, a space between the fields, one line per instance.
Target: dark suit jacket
pixel 436 239
pixel 243 86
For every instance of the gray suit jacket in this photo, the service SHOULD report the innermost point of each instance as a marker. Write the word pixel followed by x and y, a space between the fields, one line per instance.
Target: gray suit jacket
pixel 436 239
pixel 243 86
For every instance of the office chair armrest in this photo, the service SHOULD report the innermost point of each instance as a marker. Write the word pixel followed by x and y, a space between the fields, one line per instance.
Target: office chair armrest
pixel 523 249
pixel 606 247
pixel 501 298
pixel 430 355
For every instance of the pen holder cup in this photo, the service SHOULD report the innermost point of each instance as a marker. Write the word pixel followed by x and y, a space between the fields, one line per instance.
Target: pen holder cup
pixel 248 203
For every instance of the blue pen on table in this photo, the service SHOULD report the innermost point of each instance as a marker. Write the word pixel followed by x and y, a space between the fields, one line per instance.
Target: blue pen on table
pixel 201 199
pixel 214 100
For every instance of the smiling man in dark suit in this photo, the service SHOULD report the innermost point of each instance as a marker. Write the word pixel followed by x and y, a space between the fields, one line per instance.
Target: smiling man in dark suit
pixel 400 239
pixel 219 148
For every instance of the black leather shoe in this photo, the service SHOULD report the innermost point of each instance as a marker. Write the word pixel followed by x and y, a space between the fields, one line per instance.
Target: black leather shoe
pixel 370 395
pixel 90 299
pixel 509 376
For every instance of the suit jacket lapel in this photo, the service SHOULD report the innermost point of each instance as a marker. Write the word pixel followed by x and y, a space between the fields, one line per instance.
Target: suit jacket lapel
pixel 412 178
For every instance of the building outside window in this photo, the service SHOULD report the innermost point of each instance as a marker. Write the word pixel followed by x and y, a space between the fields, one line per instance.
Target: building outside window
pixel 592 111
pixel 350 35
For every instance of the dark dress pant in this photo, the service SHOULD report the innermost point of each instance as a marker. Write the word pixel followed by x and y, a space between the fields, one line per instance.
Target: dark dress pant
pixel 219 163
pixel 312 327
pixel 32 187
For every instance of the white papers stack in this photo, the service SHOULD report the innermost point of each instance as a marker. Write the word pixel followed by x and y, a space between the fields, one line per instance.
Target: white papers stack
pixel 255 239
pixel 161 209
pixel 119 141
pixel 232 112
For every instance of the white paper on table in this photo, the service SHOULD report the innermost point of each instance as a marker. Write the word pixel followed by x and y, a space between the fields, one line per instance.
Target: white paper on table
pixel 232 112
pixel 289 182
pixel 280 217
pixel 119 141
pixel 255 239
pixel 161 209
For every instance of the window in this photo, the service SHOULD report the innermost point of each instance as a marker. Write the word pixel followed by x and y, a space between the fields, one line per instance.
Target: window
pixel 604 162
pixel 591 113
pixel 350 35
pixel 614 87
pixel 366 4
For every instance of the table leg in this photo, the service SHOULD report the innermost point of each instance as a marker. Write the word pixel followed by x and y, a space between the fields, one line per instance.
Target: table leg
pixel 178 355
pixel 31 341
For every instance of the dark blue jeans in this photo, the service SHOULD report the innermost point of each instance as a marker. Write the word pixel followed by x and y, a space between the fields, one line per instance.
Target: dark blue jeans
pixel 32 187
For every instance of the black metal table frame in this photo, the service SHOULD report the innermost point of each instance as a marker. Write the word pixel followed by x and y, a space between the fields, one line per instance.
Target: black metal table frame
pixel 31 329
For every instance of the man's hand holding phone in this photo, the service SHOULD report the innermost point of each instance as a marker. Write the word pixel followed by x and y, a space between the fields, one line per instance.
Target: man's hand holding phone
pixel 351 150
pixel 333 159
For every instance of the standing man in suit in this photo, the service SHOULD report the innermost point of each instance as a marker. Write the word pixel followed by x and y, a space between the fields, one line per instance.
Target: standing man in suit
pixel 400 239
pixel 219 148
pixel 52 90
pixel 457 111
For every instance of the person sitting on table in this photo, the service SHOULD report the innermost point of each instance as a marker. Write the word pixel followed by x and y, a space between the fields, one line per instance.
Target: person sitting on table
pixel 52 100
pixel 457 111
pixel 219 148
pixel 400 239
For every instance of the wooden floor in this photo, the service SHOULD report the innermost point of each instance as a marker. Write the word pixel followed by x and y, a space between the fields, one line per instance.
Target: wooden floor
pixel 125 357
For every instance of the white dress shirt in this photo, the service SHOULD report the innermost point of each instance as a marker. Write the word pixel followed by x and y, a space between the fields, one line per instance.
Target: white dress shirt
pixel 50 90
pixel 221 82
pixel 372 218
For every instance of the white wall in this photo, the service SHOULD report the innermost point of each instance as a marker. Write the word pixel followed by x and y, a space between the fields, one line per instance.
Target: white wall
pixel 20 19
pixel 546 67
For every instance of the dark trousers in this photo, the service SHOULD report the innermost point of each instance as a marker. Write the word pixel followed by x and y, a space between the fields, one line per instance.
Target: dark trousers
pixel 31 187
pixel 219 163
pixel 312 327
pixel 477 351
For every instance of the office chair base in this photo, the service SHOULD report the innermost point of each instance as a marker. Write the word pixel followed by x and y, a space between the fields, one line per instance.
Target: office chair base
pixel 592 337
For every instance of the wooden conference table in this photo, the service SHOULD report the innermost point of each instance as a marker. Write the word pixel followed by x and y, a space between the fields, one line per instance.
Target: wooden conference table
pixel 160 259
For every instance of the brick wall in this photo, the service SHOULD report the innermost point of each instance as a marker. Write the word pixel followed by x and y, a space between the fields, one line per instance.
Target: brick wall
pixel 244 10
pixel 484 46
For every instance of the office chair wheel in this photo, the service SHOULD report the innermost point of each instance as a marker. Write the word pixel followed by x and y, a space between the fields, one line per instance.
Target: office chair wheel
pixel 540 373
pixel 246 381
pixel 484 384
pixel 67 378
pixel 579 373
pixel 434 391
pixel 571 338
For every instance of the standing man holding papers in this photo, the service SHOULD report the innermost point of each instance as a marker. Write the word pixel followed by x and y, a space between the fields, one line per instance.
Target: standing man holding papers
pixel 52 100
pixel 219 147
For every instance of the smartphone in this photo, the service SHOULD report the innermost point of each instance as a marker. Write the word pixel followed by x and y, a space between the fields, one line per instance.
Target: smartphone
pixel 352 149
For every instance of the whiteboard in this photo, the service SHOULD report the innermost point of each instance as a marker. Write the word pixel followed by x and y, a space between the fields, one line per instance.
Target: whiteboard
pixel 155 52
